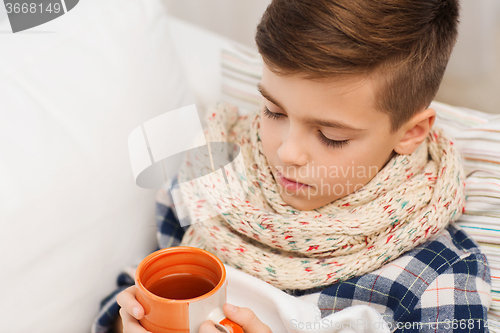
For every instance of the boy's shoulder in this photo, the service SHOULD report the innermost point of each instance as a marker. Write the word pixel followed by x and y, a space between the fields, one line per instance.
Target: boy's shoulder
pixel 434 281
pixel 439 265
pixel 440 253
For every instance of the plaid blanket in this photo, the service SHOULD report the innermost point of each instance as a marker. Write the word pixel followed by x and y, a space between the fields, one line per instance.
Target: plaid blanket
pixel 442 285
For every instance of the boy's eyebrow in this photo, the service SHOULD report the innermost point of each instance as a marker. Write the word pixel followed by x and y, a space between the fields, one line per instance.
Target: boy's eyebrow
pixel 309 120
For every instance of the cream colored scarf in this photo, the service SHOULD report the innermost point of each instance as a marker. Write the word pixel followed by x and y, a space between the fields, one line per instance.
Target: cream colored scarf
pixel 411 199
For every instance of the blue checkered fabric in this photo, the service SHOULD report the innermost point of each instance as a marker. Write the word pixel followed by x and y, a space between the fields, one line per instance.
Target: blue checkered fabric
pixel 442 285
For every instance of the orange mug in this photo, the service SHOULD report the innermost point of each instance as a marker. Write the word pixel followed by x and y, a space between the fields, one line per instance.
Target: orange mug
pixel 181 287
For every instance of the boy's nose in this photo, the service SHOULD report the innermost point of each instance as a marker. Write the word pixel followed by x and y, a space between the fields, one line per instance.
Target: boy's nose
pixel 293 151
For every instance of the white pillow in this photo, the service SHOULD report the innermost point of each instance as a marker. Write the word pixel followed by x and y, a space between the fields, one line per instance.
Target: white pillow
pixel 71 91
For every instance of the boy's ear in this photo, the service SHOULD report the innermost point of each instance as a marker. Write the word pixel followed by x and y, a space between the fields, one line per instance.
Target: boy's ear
pixel 415 131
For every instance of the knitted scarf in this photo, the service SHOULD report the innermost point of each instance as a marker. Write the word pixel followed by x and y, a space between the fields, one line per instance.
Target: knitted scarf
pixel 411 199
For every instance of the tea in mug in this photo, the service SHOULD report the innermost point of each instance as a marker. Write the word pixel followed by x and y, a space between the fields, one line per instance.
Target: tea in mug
pixel 181 286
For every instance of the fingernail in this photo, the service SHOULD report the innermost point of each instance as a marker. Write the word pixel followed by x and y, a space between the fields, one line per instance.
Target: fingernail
pixel 135 312
pixel 231 308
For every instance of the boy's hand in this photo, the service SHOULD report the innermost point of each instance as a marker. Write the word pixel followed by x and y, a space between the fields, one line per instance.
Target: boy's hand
pixel 241 316
pixel 131 311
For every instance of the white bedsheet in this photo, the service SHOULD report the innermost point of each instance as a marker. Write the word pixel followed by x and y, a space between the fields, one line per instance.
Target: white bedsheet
pixel 285 313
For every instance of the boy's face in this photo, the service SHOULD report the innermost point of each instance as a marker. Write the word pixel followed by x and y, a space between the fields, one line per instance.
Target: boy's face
pixel 298 148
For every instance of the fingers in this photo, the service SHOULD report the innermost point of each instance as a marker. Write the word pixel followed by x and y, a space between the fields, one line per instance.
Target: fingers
pixel 130 324
pixel 126 299
pixel 208 327
pixel 246 318
pixel 131 311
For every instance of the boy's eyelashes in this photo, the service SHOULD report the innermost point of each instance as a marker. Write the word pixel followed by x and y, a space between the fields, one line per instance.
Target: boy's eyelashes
pixel 332 143
pixel 272 115
pixel 327 142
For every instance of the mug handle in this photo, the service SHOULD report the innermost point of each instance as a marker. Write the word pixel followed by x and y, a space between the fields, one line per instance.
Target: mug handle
pixel 222 323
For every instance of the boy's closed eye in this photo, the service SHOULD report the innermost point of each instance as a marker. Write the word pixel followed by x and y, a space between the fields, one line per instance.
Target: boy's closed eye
pixel 327 142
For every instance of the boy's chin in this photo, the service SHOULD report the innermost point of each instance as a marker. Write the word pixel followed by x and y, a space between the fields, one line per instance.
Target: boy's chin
pixel 300 202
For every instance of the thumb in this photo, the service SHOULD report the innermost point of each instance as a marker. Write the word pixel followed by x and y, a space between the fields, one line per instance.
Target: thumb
pixel 245 318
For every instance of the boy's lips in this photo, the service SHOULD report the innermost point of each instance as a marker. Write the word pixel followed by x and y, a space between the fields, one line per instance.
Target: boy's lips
pixel 284 181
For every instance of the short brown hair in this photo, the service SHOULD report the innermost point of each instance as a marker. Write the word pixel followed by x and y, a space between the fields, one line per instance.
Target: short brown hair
pixel 408 42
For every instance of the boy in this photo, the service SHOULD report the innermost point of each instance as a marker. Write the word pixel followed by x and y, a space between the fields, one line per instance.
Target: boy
pixel 347 84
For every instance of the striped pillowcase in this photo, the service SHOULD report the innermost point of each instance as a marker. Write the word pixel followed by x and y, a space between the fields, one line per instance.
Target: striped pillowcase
pixel 241 71
pixel 476 135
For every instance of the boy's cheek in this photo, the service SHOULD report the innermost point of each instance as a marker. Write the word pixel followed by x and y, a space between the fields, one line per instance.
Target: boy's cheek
pixel 269 137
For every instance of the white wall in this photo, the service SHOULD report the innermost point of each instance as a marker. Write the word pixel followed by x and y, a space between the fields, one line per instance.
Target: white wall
pixel 471 80
pixel 236 19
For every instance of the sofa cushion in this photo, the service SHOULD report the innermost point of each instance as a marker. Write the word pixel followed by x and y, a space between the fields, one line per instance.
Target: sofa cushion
pixel 72 217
